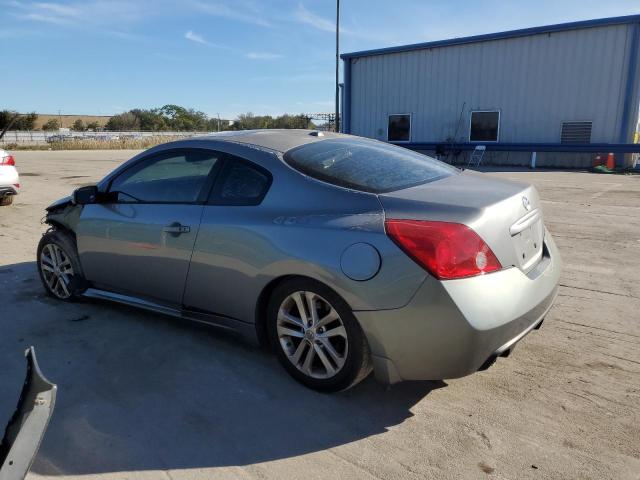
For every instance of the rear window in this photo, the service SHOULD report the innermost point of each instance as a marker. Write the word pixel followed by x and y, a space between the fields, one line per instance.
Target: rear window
pixel 366 165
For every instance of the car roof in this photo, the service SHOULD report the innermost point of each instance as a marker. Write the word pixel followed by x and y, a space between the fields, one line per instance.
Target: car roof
pixel 279 140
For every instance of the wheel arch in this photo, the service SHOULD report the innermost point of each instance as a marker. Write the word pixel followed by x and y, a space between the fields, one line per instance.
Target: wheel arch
pixel 64 218
pixel 261 306
pixel 62 228
pixel 265 295
pixel 64 239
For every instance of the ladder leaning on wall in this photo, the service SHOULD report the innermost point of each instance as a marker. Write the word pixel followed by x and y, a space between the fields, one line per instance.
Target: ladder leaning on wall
pixel 476 156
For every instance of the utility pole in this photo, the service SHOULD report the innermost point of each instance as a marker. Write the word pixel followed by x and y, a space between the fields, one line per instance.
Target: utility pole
pixel 337 120
pixel 218 121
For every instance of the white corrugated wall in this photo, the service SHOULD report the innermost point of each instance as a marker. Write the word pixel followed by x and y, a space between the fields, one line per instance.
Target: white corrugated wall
pixel 536 82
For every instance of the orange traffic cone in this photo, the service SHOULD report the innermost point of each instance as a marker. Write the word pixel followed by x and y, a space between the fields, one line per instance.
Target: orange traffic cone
pixel 611 161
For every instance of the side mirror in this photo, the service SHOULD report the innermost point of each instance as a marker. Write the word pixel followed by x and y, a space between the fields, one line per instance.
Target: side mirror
pixel 85 195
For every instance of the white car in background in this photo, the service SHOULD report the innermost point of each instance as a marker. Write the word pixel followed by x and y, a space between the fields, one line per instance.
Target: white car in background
pixel 9 179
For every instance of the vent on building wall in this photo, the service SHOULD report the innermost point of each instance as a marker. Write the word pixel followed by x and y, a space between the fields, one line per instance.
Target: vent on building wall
pixel 576 132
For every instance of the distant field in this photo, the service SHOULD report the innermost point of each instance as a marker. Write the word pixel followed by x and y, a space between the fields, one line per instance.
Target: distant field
pixel 66 121
pixel 92 144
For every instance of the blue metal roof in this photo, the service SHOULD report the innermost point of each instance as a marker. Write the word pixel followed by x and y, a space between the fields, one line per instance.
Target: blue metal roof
pixel 561 27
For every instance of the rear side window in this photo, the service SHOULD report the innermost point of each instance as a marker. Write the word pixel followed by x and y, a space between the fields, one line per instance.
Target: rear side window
pixel 241 183
pixel 366 165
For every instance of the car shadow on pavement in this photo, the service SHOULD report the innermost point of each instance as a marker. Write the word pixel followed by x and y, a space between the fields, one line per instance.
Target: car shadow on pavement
pixel 140 391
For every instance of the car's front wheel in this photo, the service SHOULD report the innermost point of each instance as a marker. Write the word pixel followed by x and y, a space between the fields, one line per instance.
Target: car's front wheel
pixel 59 266
pixel 316 336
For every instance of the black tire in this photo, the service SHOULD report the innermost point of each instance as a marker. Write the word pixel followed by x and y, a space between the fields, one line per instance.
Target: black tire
pixel 6 200
pixel 67 243
pixel 357 365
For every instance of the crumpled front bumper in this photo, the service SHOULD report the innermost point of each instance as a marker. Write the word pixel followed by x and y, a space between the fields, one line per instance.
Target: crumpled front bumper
pixel 25 430
pixel 454 328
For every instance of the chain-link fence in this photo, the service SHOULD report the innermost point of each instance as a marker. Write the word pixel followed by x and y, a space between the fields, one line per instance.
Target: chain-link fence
pixel 37 137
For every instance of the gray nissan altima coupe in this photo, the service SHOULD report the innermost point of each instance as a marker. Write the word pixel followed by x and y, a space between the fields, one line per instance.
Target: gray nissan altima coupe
pixel 345 254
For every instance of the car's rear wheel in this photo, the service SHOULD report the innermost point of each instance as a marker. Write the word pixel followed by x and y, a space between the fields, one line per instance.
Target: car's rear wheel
pixel 59 266
pixel 6 200
pixel 316 336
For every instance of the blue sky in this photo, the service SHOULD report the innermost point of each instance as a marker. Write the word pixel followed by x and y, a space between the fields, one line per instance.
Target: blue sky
pixel 227 57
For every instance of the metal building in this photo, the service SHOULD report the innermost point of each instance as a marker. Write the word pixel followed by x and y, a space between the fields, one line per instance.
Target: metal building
pixel 559 90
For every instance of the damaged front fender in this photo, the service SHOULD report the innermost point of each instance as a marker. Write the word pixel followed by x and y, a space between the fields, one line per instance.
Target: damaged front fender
pixel 25 430
pixel 64 214
pixel 60 204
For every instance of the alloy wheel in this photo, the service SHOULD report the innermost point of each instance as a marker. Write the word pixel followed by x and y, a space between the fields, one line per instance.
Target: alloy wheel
pixel 57 270
pixel 312 334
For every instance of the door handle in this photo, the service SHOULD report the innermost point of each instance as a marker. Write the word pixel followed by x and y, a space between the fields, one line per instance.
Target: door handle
pixel 176 228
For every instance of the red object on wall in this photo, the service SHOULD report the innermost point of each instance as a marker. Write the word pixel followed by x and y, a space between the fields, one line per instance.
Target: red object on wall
pixel 611 161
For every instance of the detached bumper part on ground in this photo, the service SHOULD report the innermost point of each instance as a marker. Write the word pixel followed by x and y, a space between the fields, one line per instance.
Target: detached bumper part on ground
pixel 453 328
pixel 25 430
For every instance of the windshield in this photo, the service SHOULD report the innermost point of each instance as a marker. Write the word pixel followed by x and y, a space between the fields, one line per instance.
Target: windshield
pixel 366 165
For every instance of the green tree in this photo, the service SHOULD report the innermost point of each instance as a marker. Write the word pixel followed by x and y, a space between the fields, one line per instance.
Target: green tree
pixel 175 117
pixel 93 126
pixel 150 120
pixel 183 119
pixel 22 122
pixel 249 121
pixel 292 121
pixel 26 122
pixel 123 122
pixel 213 123
pixel 7 119
pixel 51 124
pixel 169 117
pixel 78 126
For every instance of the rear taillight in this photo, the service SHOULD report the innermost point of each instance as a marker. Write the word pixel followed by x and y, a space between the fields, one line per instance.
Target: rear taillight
pixel 8 160
pixel 446 250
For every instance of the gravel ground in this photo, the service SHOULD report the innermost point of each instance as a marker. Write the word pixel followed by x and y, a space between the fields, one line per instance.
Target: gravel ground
pixel 143 396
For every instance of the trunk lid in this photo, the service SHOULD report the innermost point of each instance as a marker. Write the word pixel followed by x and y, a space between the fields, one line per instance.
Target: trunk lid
pixel 506 214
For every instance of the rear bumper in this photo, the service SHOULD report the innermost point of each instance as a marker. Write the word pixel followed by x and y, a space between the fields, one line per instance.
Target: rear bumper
pixel 4 191
pixel 9 181
pixel 453 328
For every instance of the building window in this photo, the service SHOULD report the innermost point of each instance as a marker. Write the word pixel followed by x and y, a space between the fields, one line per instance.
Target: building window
pixel 485 126
pixel 576 132
pixel 399 128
